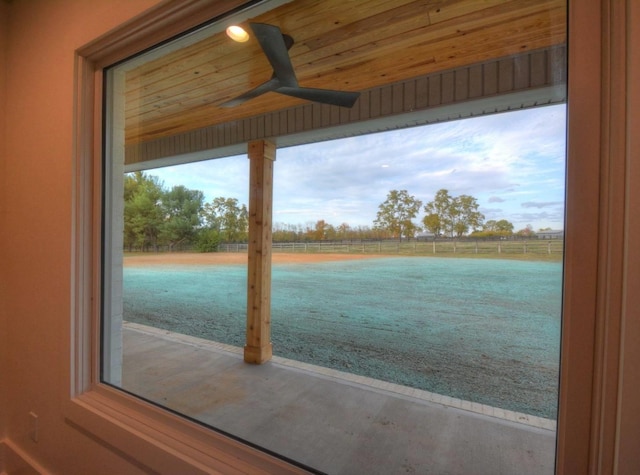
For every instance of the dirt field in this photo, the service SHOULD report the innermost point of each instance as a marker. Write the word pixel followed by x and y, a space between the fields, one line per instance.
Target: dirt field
pixel 226 258
pixel 480 330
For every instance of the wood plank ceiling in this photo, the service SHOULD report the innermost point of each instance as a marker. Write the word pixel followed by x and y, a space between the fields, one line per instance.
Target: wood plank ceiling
pixel 339 44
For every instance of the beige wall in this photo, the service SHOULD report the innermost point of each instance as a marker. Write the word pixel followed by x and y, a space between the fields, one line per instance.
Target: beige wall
pixel 37 42
pixel 4 23
pixel 629 417
pixel 36 186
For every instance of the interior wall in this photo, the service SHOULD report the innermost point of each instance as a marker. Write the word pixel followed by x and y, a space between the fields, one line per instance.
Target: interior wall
pixel 4 23
pixel 37 41
pixel 40 37
pixel 627 456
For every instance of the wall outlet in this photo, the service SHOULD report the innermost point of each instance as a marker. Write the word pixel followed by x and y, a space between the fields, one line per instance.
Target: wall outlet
pixel 33 426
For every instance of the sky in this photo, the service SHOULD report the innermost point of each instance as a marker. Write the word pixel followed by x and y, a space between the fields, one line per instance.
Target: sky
pixel 513 164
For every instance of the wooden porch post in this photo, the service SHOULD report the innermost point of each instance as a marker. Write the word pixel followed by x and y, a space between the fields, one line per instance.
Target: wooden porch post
pixel 258 349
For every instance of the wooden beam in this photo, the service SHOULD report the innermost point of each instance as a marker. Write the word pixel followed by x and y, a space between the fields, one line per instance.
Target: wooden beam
pixel 258 349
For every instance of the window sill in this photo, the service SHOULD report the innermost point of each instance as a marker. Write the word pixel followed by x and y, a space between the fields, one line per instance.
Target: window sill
pixel 158 441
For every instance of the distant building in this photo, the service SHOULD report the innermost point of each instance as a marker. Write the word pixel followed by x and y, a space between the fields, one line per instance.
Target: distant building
pixel 551 234
pixel 425 236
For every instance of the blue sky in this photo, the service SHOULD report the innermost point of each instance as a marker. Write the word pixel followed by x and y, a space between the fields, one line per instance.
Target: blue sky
pixel 512 163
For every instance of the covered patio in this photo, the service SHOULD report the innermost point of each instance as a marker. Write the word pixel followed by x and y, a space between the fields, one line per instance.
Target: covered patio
pixel 327 420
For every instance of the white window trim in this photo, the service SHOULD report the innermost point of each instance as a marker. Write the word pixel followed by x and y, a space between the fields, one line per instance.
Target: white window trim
pixel 156 439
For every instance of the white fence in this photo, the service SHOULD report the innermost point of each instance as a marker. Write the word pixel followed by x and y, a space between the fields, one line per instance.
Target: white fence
pixel 555 246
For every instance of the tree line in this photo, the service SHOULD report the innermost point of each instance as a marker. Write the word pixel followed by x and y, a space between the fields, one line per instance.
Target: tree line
pixel 446 216
pixel 156 217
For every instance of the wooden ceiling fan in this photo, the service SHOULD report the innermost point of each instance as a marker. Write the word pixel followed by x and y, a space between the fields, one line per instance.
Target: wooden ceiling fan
pixel 275 46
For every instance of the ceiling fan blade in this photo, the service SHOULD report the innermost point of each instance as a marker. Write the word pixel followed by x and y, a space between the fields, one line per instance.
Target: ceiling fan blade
pixel 271 85
pixel 326 96
pixel 276 49
pixel 275 46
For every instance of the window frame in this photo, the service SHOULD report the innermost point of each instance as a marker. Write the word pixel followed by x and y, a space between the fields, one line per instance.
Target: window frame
pixel 148 436
pixel 156 439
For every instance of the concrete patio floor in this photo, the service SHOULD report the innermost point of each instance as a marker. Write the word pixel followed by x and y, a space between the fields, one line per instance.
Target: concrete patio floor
pixel 334 422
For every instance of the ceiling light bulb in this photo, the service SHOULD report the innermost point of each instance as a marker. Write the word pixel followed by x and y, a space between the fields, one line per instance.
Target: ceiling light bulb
pixel 237 33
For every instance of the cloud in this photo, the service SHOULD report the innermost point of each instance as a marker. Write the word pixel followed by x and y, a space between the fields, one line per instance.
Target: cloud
pixel 543 219
pixel 515 158
pixel 226 177
pixel 532 204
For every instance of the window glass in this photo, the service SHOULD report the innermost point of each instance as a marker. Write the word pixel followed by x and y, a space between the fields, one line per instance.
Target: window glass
pixel 384 236
pixel 447 262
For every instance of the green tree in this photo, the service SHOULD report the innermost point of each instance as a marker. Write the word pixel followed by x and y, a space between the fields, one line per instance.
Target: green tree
pixel 208 240
pixel 438 219
pixel 493 229
pixel 466 215
pixel 284 232
pixel 182 209
pixel 504 226
pixel 395 214
pixel 322 231
pixel 433 224
pixel 228 217
pixel 451 215
pixel 343 231
pixel 143 215
pixel 490 226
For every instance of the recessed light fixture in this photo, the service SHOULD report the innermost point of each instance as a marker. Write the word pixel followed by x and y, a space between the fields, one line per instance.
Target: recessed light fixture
pixel 237 33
